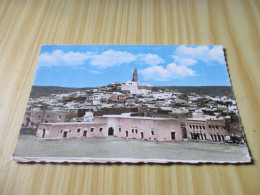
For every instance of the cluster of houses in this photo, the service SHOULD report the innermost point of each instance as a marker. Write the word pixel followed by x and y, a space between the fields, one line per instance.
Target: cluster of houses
pixel 133 110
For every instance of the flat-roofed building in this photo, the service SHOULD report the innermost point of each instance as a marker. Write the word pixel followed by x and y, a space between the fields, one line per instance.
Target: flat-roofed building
pixel 70 130
pixel 123 126
pixel 144 128
pixel 206 129
pixel 51 116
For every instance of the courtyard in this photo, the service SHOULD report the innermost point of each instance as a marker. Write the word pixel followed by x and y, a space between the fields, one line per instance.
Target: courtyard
pixel 112 149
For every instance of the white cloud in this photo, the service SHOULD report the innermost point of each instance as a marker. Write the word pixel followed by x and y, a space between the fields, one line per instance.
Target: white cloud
pixel 190 50
pixel 59 58
pixel 111 58
pixel 78 67
pixel 217 53
pixel 95 72
pixel 171 71
pixel 151 59
pixel 181 70
pixel 106 59
pixel 184 61
pixel 204 53
pixel 157 73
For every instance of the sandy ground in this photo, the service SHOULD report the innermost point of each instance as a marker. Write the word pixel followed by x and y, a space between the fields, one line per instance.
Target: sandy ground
pixel 29 147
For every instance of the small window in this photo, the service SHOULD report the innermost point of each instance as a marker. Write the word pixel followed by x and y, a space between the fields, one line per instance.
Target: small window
pixel 59 116
pixel 196 126
pixel 92 129
pixel 78 130
pixel 190 126
pixel 119 129
pixel 193 126
pixel 152 132
pixel 210 126
pixel 203 127
pixel 100 129
pixel 132 130
pixel 216 127
pixel 200 127
pixel 70 131
pixel 136 131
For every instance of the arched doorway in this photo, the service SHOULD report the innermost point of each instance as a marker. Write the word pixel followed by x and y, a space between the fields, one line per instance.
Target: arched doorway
pixel 110 131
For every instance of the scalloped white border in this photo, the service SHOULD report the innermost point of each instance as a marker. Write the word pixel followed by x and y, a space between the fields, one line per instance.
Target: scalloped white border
pixel 248 159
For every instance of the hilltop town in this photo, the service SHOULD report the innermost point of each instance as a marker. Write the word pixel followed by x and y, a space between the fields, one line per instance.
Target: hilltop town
pixel 200 117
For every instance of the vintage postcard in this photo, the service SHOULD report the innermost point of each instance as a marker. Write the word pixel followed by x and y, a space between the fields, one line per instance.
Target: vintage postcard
pixel 131 104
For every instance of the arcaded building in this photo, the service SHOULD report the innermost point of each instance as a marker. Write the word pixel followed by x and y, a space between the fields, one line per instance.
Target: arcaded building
pixel 123 126
pixel 206 129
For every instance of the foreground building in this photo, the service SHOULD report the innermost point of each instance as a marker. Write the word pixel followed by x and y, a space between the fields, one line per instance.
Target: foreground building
pixel 142 128
pixel 123 126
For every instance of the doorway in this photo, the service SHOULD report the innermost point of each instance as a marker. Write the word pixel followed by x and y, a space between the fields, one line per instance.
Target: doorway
pixel 173 135
pixel 126 133
pixel 65 134
pixel 85 133
pixel 43 132
pixel 110 131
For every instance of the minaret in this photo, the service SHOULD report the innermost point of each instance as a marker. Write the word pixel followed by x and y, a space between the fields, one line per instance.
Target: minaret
pixel 135 76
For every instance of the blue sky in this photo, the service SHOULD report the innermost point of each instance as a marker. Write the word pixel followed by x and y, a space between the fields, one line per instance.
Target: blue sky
pixel 98 65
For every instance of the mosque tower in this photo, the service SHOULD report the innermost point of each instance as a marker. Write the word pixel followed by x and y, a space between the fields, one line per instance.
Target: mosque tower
pixel 135 76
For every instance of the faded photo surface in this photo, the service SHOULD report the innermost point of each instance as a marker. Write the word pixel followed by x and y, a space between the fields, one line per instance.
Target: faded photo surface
pixel 132 103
